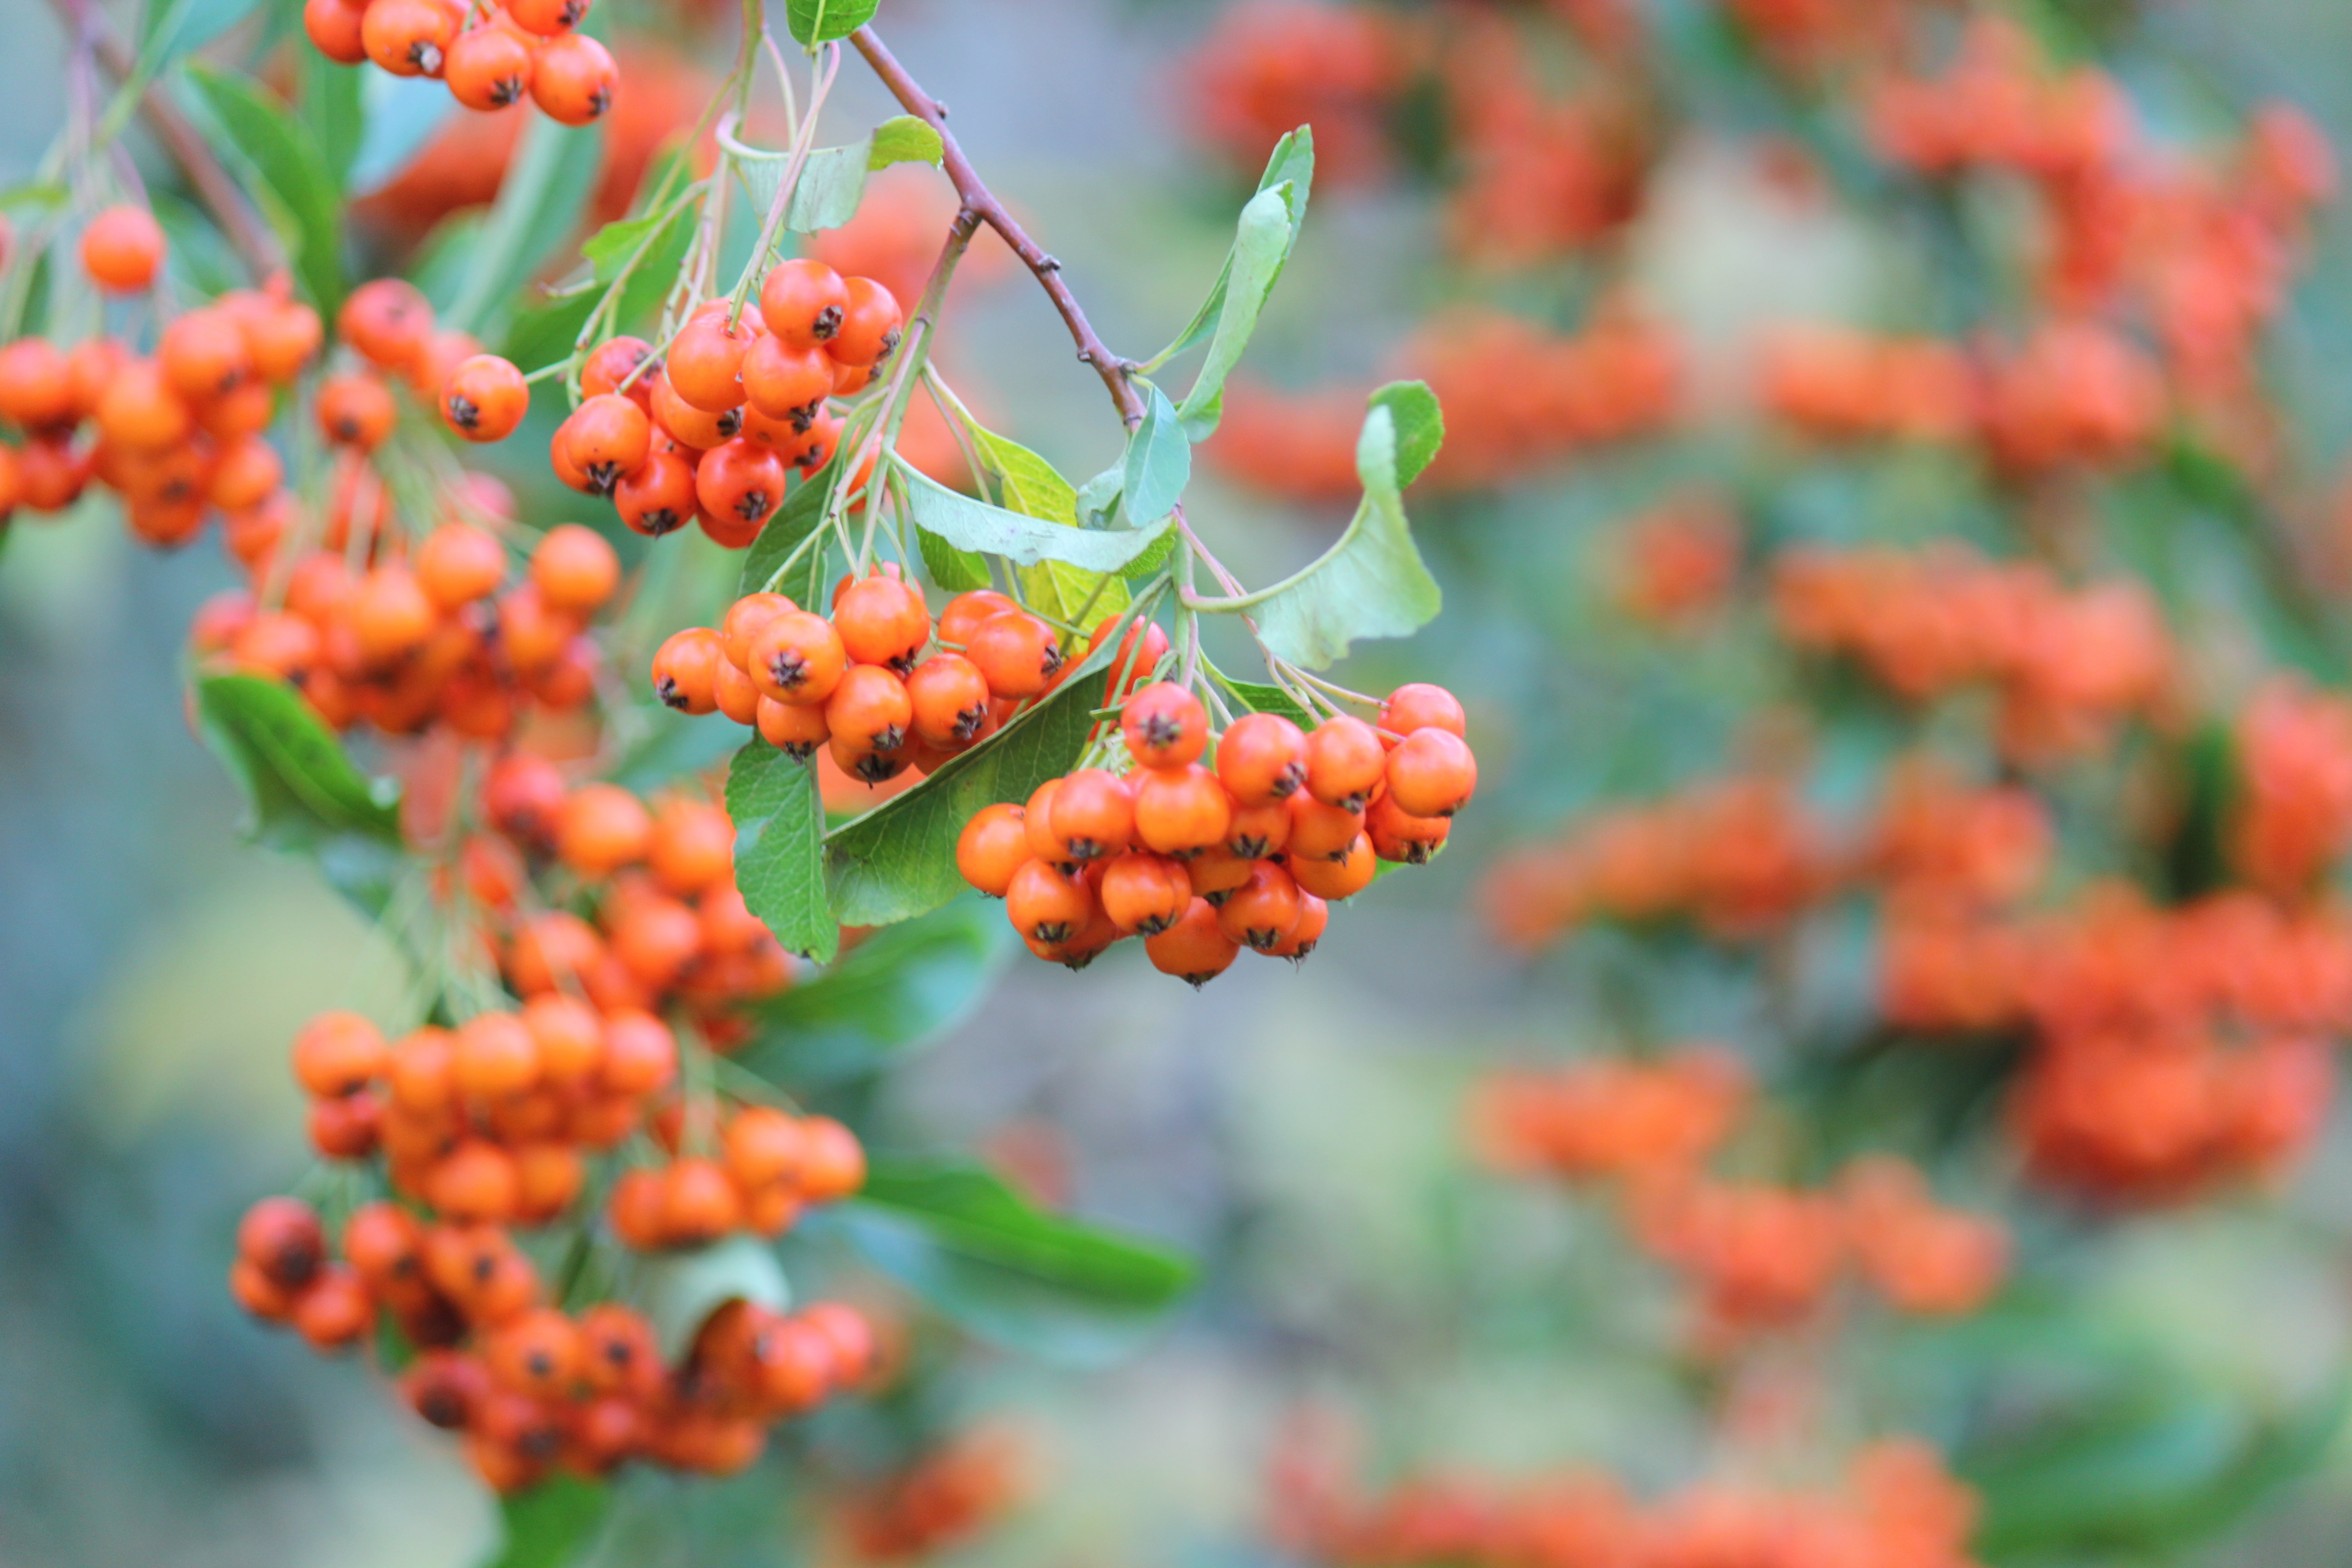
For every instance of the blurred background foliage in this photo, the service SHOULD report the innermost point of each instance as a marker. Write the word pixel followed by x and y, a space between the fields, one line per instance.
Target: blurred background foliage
pixel 2175 1381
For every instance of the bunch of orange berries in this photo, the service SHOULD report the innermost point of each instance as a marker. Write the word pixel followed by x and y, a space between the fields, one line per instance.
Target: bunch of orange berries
pixel 715 430
pixel 942 1501
pixel 528 48
pixel 1201 861
pixel 536 1388
pixel 877 684
pixel 178 431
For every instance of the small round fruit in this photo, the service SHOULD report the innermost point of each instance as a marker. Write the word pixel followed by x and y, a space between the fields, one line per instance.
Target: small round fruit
pixel 1195 949
pixel 1165 726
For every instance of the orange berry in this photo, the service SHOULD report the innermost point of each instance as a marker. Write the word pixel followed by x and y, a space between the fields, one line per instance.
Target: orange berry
pixel 1144 894
pixel 1046 906
pixel 699 1205
pixel 475 1183
pixel 803 302
pixel 1165 726
pixel 1320 832
pixel 547 17
pixel 333 26
pixel 686 670
pixel 1259 831
pixel 488 68
pixel 1017 653
pixel 486 397
pixel 575 569
pixel 786 382
pixel 37 386
pixel 570 1037
pixel 991 848
pixel 601 828
pixel 355 411
pixel 1314 914
pixel 1262 758
pixel 1263 910
pixel 1092 814
pixel 283 1239
pixel 1344 760
pixel 640 1053
pixel 609 435
pixel 1420 706
pixel 950 700
pixel 833 1162
pixel 704 364
pixel 869 709
pixel 869 326
pixel 658 496
pixel 763 1147
pixel 1398 835
pixel 693 846
pixel 387 320
pixel 615 361
pixel 1195 949
pixel 335 1312
pixel 1432 772
pixel 203 354
pixel 457 564
pixel 492 1055
pixel 1339 877
pixel 1182 811
pixel 141 413
pixel 408 37
pixel 122 249
pixel 739 480
pixel 797 658
pixel 882 621
pixel 795 729
pixel 338 1054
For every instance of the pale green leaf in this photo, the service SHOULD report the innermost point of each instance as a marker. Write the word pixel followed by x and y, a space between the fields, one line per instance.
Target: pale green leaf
pixel 1292 162
pixel 905 140
pixel 957 571
pixel 1261 245
pixel 290 172
pixel 305 795
pixel 1420 426
pixel 332 113
pixel 780 848
pixel 1159 462
pixel 1031 487
pixel 551 1524
pixel 546 189
pixel 884 997
pixel 832 179
pixel 678 1292
pixel 976 525
pixel 814 22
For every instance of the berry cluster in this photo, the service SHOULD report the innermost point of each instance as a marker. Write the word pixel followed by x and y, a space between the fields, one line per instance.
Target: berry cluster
pixel 1677 562
pixel 939 1503
pixel 1518 399
pixel 177 431
pixel 1203 861
pixel 533 1387
pixel 1900 1507
pixel 1268 68
pixel 713 431
pixel 862 684
pixel 493 59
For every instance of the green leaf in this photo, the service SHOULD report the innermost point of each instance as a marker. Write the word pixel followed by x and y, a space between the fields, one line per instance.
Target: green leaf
pixel 34 194
pixel 1031 487
pixel 1292 162
pixel 540 201
pixel 1420 426
pixel 1098 498
pixel 401 115
pixel 1261 246
pixel 976 525
pixel 957 571
pixel 780 848
pixel 542 335
pixel 1260 698
pixel 550 1524
pixel 794 521
pixel 814 22
pixel 332 113
pixel 170 29
pixel 1159 462
pixel 292 174
pixel 885 998
pixel 1007 1273
pixel 1371 583
pixel 679 1291
pixel 898 859
pixel 905 140
pixel 305 793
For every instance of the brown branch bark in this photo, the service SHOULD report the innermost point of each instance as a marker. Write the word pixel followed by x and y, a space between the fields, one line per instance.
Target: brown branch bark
pixel 239 224
pixel 977 198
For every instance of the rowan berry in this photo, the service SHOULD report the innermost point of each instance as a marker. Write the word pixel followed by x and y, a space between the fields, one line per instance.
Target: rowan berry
pixel 37 386
pixel 338 1054
pixel 618 1353
pixel 744 620
pixel 575 569
pixel 408 37
pixel 1432 772
pixel 699 1205
pixel 285 646
pixel 882 621
pixel 1400 835
pixel 245 473
pixel 122 249
pixel 1259 831
pixel 1017 653
pixel 568 1038
pixel 634 1209
pixel 1134 661
pixel 492 1055
pixel 640 1053
pixel 1216 872
pixel 390 615
pixel 1420 706
pixel 1195 949
pixel 257 1293
pixel 445 1389
pixel 833 1162
pixel 1314 914
pixel 992 846
pixel 1263 910
pixel 387 320
pixel 203 354
pixel 475 1183
pixel 1345 761
pixel 950 700
pixel 1165 726
pixel 457 564
pixel 794 1363
pixel 848 380
pixel 804 302
pixel 704 364
pixel 1320 832
pixel 764 1147
pixel 1092 814
pixel 522 796
pixel 686 424
pixel 335 1312
pixel 334 28
pixel 1182 811
pixel 1144 894
pixel 658 496
pixel 281 335
pixel 488 68
pixel 418 1072
pixel 786 382
pixel 484 398
pixel 965 612
pixel 355 411
pixel 548 18
pixel 741 481
pixel 1262 758
pixel 283 1239
pixel 686 670
pixel 655 938
pixel 1337 877
pixel 1045 841
pixel 346 1129
pixel 601 828
pixel 141 413
pixel 797 659
pixel 693 846
pixel 607 436
pixel 244 411
pixel 1045 905
pixel 870 325
pixel 797 729
pixel 869 709
pixel 615 361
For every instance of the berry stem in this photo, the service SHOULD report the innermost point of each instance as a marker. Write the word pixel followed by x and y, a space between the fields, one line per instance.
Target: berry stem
pixel 803 140
pixel 977 198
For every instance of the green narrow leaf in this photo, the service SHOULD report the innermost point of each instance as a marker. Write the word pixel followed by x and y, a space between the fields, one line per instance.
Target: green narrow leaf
pixel 957 571
pixel 1031 487
pixel 1008 1273
pixel 1098 498
pixel 551 1524
pixel 304 793
pixel 976 525
pixel 1292 162
pixel 780 848
pixel 332 113
pixel 898 859
pixel 170 29
pixel 1261 698
pixel 1158 463
pixel 292 172
pixel 1371 583
pixel 885 998
pixel 1261 246
pixel 402 114
pixel 540 201
pixel 814 22
pixel 1420 426
pixel 794 521
pixel 905 140
pixel 678 1292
